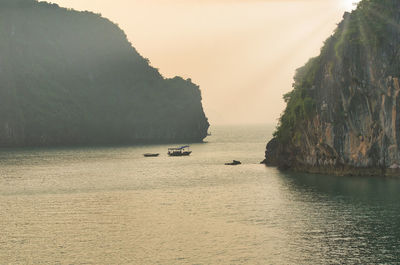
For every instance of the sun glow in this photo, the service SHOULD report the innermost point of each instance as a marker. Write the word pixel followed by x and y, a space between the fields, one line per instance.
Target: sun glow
pixel 205 40
pixel 349 5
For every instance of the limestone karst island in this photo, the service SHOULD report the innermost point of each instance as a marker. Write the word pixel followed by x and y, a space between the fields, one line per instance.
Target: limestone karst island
pixel 343 115
pixel 73 78
pixel 107 157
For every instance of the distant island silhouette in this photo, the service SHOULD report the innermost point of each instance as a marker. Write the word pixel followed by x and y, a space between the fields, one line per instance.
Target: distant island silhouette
pixel 73 78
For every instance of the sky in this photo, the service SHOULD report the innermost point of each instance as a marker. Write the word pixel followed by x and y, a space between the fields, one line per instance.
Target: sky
pixel 242 53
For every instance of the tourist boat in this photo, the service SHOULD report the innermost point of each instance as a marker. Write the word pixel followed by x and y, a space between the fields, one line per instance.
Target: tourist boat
pixel 151 155
pixel 180 151
pixel 234 163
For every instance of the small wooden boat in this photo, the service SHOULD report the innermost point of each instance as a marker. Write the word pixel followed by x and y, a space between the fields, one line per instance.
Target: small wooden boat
pixel 180 151
pixel 151 155
pixel 234 163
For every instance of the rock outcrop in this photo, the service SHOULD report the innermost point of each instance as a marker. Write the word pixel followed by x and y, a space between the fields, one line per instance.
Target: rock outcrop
pixel 343 115
pixel 73 78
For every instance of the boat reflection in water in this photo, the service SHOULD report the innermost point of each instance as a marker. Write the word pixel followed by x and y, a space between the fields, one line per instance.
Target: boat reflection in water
pixel 180 151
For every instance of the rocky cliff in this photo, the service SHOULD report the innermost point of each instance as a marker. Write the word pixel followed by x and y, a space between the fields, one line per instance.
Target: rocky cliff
pixel 71 77
pixel 343 115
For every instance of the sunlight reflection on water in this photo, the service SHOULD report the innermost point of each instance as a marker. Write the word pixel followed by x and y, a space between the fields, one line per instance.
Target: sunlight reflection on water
pixel 113 206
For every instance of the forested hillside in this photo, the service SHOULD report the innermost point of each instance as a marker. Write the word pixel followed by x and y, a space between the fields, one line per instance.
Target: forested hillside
pixel 71 77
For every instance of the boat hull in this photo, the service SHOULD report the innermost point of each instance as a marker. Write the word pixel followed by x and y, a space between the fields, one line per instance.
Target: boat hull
pixel 234 163
pixel 187 153
pixel 151 155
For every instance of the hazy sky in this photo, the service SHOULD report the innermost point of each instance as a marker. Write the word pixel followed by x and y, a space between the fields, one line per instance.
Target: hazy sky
pixel 242 53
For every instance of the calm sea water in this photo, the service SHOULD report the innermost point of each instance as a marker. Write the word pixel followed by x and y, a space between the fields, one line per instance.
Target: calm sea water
pixel 113 206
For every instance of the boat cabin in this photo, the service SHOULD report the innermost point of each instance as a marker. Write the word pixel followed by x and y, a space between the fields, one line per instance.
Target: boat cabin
pixel 179 151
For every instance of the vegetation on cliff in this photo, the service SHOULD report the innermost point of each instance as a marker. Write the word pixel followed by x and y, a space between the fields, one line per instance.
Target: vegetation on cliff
pixel 72 77
pixel 344 109
pixel 300 104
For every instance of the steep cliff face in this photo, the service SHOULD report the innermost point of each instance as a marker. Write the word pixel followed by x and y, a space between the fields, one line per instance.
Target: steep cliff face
pixel 343 115
pixel 71 77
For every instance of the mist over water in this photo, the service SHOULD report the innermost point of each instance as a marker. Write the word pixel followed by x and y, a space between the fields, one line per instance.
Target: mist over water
pixel 113 206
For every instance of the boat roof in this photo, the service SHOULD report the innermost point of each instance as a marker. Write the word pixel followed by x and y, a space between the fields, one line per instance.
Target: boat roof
pixel 179 148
